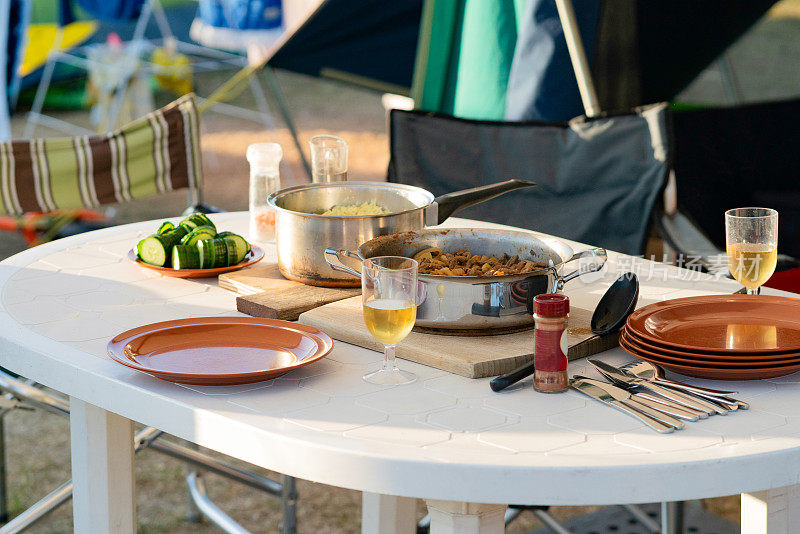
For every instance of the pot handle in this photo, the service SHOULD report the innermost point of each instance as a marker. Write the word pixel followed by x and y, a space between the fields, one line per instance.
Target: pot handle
pixel 598 258
pixel 337 265
pixel 458 200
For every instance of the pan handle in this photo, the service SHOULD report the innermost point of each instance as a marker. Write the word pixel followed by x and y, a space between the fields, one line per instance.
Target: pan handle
pixel 597 258
pixel 458 200
pixel 337 265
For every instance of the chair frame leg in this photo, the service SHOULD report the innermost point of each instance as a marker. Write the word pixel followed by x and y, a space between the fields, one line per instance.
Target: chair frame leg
pixel 275 89
pixel 289 505
pixel 3 474
pixel 199 496
pixel 672 517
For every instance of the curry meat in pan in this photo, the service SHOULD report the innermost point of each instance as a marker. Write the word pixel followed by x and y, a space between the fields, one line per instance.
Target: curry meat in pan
pixel 463 263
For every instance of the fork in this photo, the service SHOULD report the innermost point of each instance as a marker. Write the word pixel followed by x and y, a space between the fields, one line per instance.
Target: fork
pixel 655 374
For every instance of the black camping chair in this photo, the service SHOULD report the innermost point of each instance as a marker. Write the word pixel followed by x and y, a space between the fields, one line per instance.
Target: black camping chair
pixel 598 179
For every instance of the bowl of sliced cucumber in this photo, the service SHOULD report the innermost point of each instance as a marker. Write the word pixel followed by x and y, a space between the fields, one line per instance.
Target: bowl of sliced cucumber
pixel 194 249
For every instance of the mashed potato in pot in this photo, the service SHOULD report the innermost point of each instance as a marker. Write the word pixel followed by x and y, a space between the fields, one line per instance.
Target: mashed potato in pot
pixel 364 208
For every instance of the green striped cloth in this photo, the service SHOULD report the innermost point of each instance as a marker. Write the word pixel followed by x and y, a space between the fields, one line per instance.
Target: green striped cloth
pixel 157 153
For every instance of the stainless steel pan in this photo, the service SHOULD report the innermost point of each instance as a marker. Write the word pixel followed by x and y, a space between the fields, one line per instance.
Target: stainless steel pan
pixel 302 233
pixel 472 302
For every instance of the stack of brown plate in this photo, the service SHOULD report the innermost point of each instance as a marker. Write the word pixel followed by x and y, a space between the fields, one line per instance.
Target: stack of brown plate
pixel 722 337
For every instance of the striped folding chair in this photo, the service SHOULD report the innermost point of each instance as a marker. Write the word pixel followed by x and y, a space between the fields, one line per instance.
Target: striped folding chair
pixel 155 154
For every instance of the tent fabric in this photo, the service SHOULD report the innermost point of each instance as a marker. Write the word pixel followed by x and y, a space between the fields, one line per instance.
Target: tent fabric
pixel 371 39
pixel 113 10
pixel 157 153
pixel 18 23
pixel 241 14
pixel 635 56
pixel 506 59
pixel 542 84
pixel 739 156
pixel 463 68
pixel 598 179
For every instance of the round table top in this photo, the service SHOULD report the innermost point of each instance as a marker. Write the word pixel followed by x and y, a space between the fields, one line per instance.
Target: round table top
pixel 442 437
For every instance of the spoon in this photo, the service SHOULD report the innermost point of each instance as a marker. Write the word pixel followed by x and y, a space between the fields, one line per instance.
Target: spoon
pixel 610 315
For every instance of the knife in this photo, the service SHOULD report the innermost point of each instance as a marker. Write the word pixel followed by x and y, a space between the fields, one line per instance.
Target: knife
pixel 623 377
pixel 621 400
pixel 670 408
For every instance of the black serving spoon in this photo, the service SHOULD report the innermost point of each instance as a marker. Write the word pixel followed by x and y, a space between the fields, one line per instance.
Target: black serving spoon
pixel 609 316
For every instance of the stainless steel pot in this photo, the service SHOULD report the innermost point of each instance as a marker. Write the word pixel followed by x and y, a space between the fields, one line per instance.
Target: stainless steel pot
pixel 302 233
pixel 472 302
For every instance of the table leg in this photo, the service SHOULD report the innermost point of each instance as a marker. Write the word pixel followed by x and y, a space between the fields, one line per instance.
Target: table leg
pixel 388 514
pixel 102 470
pixel 448 517
pixel 775 511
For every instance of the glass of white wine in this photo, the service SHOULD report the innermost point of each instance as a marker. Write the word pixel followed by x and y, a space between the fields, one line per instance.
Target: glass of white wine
pixel 389 293
pixel 752 241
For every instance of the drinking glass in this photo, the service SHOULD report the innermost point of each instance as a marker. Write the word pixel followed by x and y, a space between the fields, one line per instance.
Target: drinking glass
pixel 751 236
pixel 389 296
pixel 328 159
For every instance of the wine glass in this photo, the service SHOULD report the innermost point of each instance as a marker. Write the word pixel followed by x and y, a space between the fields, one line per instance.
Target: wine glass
pixel 389 293
pixel 752 240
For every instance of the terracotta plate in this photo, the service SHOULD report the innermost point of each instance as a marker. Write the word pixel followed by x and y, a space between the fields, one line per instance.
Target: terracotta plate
pixel 255 255
pixel 711 372
pixel 700 360
pixel 216 351
pixel 730 323
pixel 709 354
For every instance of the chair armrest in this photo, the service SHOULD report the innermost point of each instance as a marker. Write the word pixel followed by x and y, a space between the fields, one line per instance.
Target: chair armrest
pixel 688 241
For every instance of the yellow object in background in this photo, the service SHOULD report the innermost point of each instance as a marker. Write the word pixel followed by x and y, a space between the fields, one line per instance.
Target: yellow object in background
pixel 42 38
pixel 173 69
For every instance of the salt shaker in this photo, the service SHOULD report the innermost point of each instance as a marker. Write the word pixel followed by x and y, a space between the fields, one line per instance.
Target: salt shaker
pixel 265 178
pixel 551 313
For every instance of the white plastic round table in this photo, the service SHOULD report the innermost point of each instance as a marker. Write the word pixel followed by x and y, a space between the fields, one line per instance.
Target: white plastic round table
pixel 447 439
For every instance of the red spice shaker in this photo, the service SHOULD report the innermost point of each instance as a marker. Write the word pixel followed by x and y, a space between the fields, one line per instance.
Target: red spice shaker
pixel 551 312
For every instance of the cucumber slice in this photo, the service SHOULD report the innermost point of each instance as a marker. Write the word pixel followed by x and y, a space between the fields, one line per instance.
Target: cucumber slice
pixel 156 249
pixel 230 246
pixel 203 220
pixel 185 257
pixel 179 232
pixel 190 224
pixel 165 227
pixel 213 253
pixel 205 254
pixel 242 246
pixel 197 219
pixel 201 233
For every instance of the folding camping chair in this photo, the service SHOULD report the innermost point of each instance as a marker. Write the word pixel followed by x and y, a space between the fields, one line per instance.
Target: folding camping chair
pixel 155 154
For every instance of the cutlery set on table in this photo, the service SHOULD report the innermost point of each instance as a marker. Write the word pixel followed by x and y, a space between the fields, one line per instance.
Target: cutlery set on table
pixel 639 389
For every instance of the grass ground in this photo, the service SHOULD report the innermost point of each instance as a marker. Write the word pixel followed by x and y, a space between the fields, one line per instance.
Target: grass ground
pixel 765 62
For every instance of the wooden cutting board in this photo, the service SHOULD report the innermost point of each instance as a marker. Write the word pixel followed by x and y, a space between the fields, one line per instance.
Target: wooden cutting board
pixel 470 356
pixel 266 293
